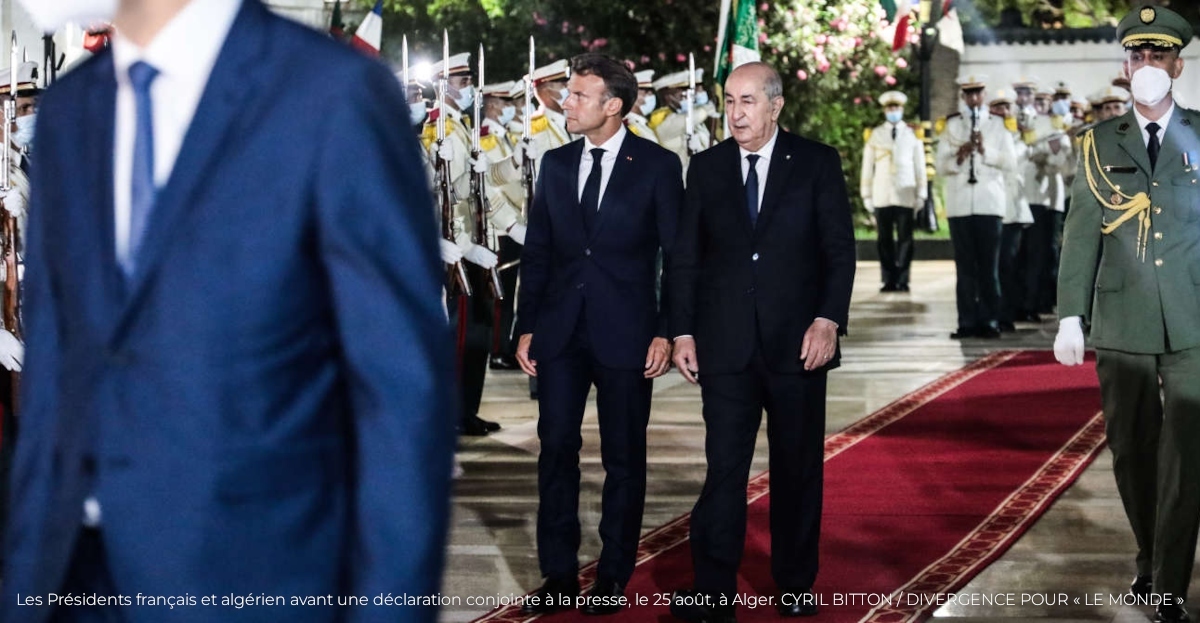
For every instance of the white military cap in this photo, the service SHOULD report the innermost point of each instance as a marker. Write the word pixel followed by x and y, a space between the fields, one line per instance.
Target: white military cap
pixel 972 81
pixel 678 79
pixel 1001 96
pixel 1112 94
pixel 645 78
pixel 558 70
pixel 460 64
pixel 498 89
pixel 1080 103
pixel 893 98
pixel 27 75
pixel 1025 82
pixel 517 89
pixel 1061 88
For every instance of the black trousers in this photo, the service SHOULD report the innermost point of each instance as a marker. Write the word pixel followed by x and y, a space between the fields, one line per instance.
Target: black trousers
pixel 976 241
pixel 1037 255
pixel 623 405
pixel 503 341
pixel 733 407
pixel 1011 288
pixel 895 243
pixel 88 574
pixel 477 339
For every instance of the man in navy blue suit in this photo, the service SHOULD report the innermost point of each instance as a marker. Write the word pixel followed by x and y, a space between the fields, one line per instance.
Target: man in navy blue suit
pixel 239 378
pixel 603 209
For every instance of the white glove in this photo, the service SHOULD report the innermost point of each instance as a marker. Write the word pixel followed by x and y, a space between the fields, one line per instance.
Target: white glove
pixel 446 151
pixel 14 202
pixel 481 163
pixel 12 351
pixel 517 233
pixel 451 254
pixel 1068 344
pixel 480 256
pixel 870 207
pixel 525 148
pixel 696 143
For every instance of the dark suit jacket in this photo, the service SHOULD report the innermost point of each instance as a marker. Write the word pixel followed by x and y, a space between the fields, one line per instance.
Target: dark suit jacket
pixel 611 276
pixel 735 287
pixel 266 397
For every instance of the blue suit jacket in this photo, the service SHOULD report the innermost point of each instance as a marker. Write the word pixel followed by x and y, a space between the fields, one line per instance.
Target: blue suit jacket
pixel 266 399
pixel 611 275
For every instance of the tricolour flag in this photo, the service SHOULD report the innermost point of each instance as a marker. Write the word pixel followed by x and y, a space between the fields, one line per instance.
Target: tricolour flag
pixel 370 32
pixel 737 37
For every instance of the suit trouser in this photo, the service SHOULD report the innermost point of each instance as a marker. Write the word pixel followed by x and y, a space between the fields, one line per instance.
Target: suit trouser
pixel 1036 257
pixel 895 255
pixel 733 406
pixel 1010 282
pixel 87 575
pixel 1155 442
pixel 976 241
pixel 477 341
pixel 623 405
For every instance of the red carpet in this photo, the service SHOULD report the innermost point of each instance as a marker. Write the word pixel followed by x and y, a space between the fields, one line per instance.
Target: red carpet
pixel 919 497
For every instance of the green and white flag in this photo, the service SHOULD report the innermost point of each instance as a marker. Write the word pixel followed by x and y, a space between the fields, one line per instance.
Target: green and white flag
pixel 737 37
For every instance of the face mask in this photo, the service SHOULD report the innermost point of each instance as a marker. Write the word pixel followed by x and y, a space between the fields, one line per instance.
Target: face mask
pixel 1060 108
pixel 507 114
pixel 24 134
pixel 684 105
pixel 1150 85
pixel 701 99
pixel 563 95
pixel 466 97
pixel 648 105
pixel 51 15
pixel 894 116
pixel 417 113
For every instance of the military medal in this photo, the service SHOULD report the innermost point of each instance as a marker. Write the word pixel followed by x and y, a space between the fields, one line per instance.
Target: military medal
pixel 1115 199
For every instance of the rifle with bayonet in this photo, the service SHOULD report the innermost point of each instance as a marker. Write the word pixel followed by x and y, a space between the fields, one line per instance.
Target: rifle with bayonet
pixel 457 282
pixel 478 194
pixel 691 105
pixel 12 288
pixel 527 172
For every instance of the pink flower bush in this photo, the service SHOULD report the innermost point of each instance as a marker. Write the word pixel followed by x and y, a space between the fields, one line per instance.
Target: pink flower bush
pixel 881 71
pixel 801 74
pixel 890 80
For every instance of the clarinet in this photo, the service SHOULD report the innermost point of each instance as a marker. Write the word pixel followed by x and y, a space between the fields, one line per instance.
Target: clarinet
pixel 974 131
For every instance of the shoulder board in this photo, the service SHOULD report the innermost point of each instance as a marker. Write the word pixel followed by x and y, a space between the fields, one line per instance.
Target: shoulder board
pixel 918 130
pixel 867 134
pixel 488 142
pixel 939 126
pixel 637 131
pixel 1010 124
pixel 428 135
pixel 537 125
pixel 658 116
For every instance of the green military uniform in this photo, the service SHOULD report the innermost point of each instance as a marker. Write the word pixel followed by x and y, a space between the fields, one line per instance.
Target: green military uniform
pixel 1131 269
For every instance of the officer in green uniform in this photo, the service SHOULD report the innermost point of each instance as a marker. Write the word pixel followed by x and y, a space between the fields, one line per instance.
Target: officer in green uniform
pixel 1130 271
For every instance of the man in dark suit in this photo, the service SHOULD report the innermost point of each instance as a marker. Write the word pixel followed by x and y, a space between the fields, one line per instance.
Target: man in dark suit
pixel 603 208
pixel 761 275
pixel 238 374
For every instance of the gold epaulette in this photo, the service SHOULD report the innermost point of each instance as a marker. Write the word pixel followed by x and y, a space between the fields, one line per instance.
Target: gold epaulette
pixel 1029 136
pixel 537 125
pixel 637 131
pixel 428 135
pixel 867 134
pixel 1010 124
pixel 1130 206
pixel 488 143
pixel 919 130
pixel 658 116
pixel 939 126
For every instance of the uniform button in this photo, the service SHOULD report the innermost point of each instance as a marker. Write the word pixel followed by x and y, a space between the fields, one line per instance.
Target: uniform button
pixel 1158 210
pixel 587 252
pixel 750 290
pixel 1158 262
pixel 1158 235
pixel 1154 183
pixel 754 257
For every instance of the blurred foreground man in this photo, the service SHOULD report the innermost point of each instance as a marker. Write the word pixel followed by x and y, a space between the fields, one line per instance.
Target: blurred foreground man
pixel 1129 273
pixel 213 401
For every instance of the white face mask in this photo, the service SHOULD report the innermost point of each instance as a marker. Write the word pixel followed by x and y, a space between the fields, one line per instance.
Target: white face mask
pixel 51 15
pixel 417 113
pixel 24 134
pixel 701 98
pixel 648 105
pixel 563 95
pixel 1150 85
pixel 684 105
pixel 507 114
pixel 466 97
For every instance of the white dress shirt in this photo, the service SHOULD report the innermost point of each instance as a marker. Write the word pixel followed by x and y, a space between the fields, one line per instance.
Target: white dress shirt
pixel 184 53
pixel 761 166
pixel 1162 122
pixel 611 147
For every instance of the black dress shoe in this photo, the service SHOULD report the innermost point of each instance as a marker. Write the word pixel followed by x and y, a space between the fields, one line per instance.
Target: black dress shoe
pixel 555 595
pixel 989 333
pixel 1007 327
pixel 1028 317
pixel 473 426
pixel 1141 585
pixel 503 362
pixel 1171 613
pixel 888 287
pixel 962 333
pixel 697 607
pixel 796 603
pixel 902 287
pixel 606 597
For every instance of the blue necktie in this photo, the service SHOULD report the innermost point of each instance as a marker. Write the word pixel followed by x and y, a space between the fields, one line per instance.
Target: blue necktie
pixel 752 189
pixel 142 189
pixel 590 201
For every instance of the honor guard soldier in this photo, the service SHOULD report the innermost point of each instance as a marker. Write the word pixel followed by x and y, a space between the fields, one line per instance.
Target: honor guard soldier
pixel 16 200
pixel 455 150
pixel 638 120
pixel 669 122
pixel 974 155
pixel 1113 102
pixel 547 124
pixel 516 125
pixel 1016 218
pixel 1129 274
pixel 893 186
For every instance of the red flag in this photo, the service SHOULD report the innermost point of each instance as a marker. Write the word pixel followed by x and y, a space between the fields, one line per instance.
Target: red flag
pixel 901 38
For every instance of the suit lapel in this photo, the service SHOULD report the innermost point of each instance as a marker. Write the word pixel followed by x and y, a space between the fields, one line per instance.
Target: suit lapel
pixel 736 184
pixel 777 179
pixel 616 188
pixel 234 92
pixel 1132 142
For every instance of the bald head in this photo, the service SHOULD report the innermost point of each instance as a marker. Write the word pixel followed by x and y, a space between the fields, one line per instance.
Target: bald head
pixel 753 101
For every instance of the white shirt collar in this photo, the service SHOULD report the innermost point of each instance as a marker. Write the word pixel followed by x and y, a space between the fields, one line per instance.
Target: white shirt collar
pixel 186 48
pixel 1163 122
pixel 611 146
pixel 494 127
pixel 764 151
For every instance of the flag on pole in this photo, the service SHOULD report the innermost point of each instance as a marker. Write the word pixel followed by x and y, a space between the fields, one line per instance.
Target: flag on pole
pixel 951 33
pixel 336 26
pixel 737 37
pixel 370 32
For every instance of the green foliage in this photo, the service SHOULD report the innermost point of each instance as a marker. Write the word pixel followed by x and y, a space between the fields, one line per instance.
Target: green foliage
pixel 1074 13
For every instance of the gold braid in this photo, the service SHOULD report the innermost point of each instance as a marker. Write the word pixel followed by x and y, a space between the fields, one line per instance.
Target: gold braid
pixel 1136 205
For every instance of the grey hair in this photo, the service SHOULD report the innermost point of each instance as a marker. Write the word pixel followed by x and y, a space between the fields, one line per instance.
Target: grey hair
pixel 772 83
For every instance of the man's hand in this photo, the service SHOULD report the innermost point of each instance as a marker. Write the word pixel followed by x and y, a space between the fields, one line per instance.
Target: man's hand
pixel 696 143
pixel 517 233
pixel 1055 146
pixel 480 163
pixel 820 343
pixel 14 203
pixel 525 149
pixel 685 358
pixel 658 357
pixel 446 151
pixel 1068 344
pixel 451 254
pixel 480 256
pixel 527 364
pixel 964 152
pixel 12 351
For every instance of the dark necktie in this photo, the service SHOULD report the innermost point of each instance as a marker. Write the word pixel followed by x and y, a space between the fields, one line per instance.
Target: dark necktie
pixel 1153 145
pixel 893 132
pixel 590 201
pixel 142 189
pixel 752 189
